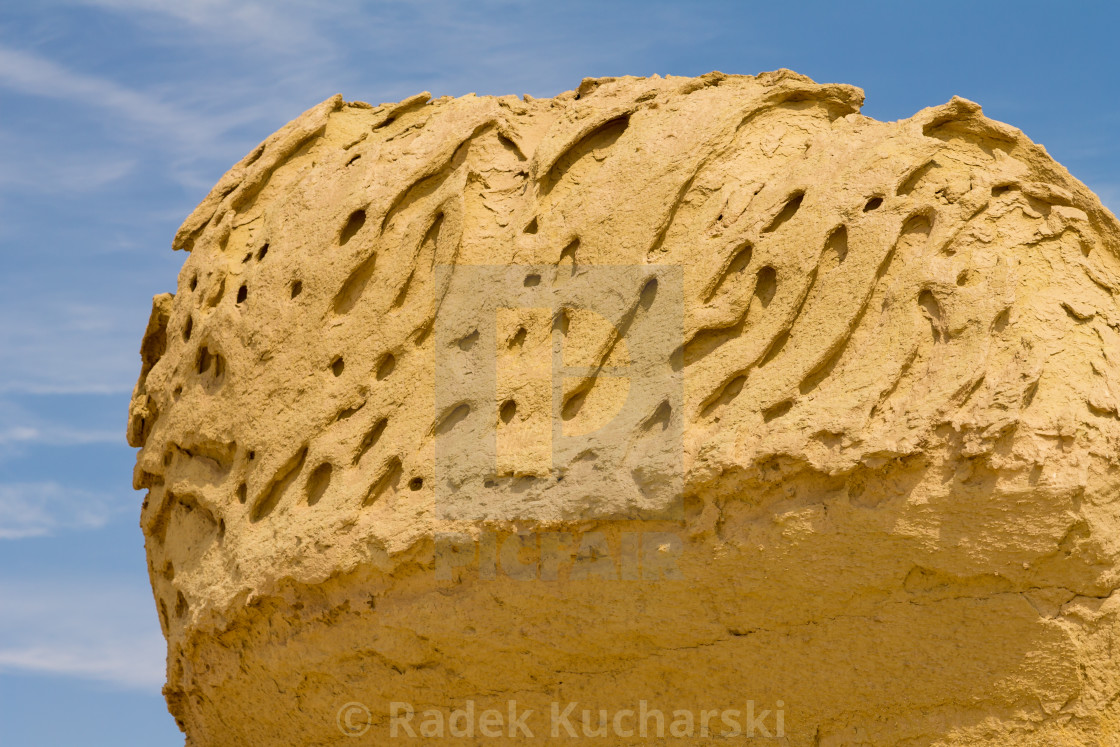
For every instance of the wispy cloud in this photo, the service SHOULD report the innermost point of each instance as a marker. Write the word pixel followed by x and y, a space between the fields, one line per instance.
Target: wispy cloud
pixel 101 630
pixel 69 348
pixel 30 168
pixel 38 509
pixel 194 129
pixel 56 435
pixel 279 24
pixel 79 422
pixel 34 75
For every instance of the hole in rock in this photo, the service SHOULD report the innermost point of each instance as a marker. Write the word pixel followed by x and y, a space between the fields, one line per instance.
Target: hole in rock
pixel 767 285
pixel 648 294
pixel 457 415
pixel 467 342
pixel 388 363
pixel 354 224
pixel 318 482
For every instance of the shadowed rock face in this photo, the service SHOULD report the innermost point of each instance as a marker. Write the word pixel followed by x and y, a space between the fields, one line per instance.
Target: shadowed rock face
pixel 687 391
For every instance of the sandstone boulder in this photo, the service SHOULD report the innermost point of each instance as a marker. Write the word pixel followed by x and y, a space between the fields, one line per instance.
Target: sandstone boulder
pixel 682 395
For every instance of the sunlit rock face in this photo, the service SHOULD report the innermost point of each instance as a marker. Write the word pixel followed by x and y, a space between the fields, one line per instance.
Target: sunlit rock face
pixel 674 395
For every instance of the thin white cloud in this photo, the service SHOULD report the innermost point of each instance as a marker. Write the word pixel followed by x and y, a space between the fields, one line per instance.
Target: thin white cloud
pixel 69 348
pixel 278 24
pixel 34 75
pixel 199 124
pixel 29 167
pixel 22 427
pixel 103 629
pixel 39 509
pixel 56 435
pixel 28 170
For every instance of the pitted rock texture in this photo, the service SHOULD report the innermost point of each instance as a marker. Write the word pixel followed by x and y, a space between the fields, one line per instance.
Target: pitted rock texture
pixel 897 368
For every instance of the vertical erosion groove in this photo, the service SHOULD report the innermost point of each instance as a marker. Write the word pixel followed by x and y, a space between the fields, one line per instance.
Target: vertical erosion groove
pixel 278 485
pixel 600 138
pixel 388 479
pixel 793 204
pixel 370 439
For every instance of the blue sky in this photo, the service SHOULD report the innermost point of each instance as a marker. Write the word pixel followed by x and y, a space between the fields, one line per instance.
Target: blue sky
pixel 117 116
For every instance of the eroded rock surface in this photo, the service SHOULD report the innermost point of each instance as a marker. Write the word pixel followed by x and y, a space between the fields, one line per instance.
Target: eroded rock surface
pixel 869 466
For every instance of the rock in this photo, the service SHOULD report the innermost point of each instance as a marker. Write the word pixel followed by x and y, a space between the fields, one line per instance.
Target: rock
pixel 705 397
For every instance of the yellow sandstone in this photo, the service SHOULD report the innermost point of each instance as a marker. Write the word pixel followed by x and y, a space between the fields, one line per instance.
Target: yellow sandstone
pixel 708 405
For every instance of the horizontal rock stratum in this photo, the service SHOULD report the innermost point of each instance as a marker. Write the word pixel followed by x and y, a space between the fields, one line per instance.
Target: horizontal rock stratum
pixel 708 405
